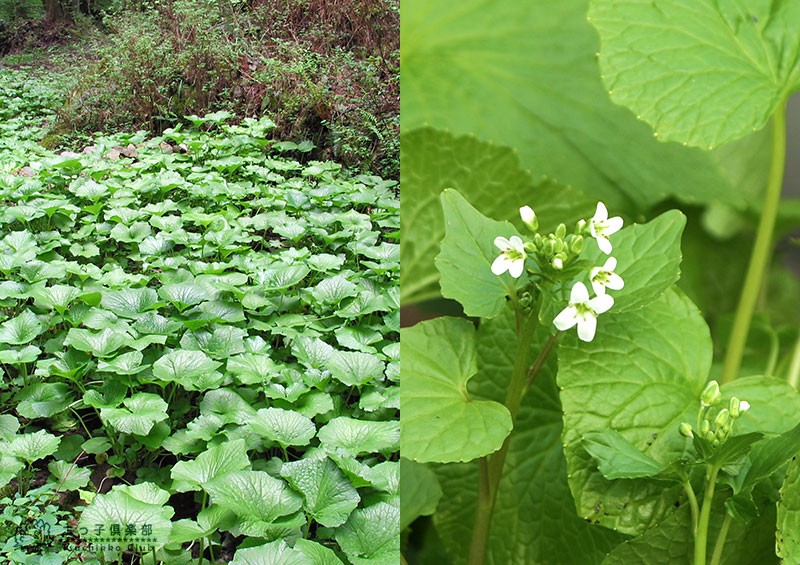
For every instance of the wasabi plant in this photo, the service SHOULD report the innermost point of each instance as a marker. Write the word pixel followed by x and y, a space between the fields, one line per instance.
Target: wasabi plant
pixel 624 391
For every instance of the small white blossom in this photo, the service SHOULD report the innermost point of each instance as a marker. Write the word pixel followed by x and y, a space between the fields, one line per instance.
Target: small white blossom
pixel 529 218
pixel 601 226
pixel 558 264
pixel 583 312
pixel 512 256
pixel 744 406
pixel 602 277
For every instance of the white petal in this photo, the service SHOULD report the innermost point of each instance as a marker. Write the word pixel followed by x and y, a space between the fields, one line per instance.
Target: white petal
pixel 517 244
pixel 744 406
pixel 586 328
pixel 603 243
pixel 612 225
pixel 527 214
pixel 516 267
pixel 578 294
pixel 615 282
pixel 600 214
pixel 601 303
pixel 599 288
pixel 501 265
pixel 567 318
pixel 502 243
pixel 611 264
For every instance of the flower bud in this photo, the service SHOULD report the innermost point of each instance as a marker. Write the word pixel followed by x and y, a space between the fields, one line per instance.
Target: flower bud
pixel 735 407
pixel 686 430
pixel 705 427
pixel 529 218
pixel 548 248
pixel 561 231
pixel 722 418
pixel 538 240
pixel 577 244
pixel 530 247
pixel 580 226
pixel 558 264
pixel 711 394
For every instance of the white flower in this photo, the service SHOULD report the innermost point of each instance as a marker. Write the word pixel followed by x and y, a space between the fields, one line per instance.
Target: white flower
pixel 529 218
pixel 583 312
pixel 602 277
pixel 744 406
pixel 601 226
pixel 512 256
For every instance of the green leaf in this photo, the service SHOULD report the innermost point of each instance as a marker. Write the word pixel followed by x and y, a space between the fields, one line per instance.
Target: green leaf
pixel 33 446
pixel 372 535
pixel 644 401
pixel 183 294
pixel 743 63
pixel 99 344
pixel 9 467
pixel 420 491
pixel 527 77
pixel 480 171
pixel 354 368
pixel 648 259
pixel 43 400
pixel 21 330
pixel 285 427
pixel 468 252
pixel 441 421
pixel 142 505
pixel 359 436
pixel 129 302
pixel 140 414
pixel 273 552
pixel 193 370
pixel 534 495
pixel 27 354
pixel 215 462
pixel 254 495
pixel 58 296
pixel 788 534
pixel 617 458
pixel 328 496
pixel 69 476
pixel 126 364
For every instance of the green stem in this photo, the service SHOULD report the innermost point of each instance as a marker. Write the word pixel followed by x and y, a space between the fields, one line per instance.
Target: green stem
pixel 701 535
pixel 716 558
pixel 687 486
pixel 793 375
pixel 759 259
pixel 491 466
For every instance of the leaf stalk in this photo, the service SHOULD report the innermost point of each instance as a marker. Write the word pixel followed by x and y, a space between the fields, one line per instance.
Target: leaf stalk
pixel 759 259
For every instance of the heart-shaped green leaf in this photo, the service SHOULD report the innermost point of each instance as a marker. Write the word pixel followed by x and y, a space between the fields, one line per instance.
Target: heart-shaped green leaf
pixel 441 421
pixel 700 72
pixel 328 496
pixel 140 413
pixel 21 329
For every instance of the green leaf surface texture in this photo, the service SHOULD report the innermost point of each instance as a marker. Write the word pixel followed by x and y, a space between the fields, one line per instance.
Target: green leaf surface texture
pixel 441 421
pixel 535 519
pixel 641 376
pixel 525 75
pixel 480 171
pixel 699 72
pixel 465 260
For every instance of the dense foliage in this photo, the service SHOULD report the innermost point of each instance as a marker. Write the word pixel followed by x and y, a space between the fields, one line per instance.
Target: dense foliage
pixel 523 440
pixel 199 346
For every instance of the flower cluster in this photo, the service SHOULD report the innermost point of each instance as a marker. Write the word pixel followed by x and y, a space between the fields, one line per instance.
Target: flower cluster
pixel 715 427
pixel 551 256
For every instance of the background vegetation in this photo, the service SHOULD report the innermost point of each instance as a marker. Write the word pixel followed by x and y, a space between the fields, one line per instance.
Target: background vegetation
pixel 323 70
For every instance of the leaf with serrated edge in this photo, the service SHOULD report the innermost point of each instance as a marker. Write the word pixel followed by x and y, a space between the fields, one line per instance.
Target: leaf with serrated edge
pixel 648 259
pixel 645 401
pixel 328 496
pixel 702 72
pixel 527 76
pixel 441 421
pixel 480 171
pixel 465 262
